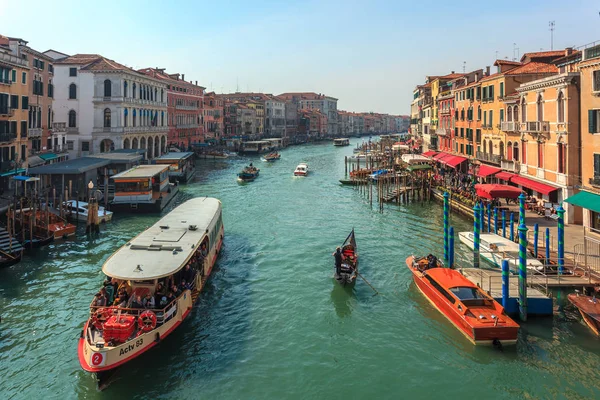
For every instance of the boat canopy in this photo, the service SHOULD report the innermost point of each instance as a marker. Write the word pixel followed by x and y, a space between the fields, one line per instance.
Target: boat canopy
pixel 166 246
pixel 174 156
pixel 141 171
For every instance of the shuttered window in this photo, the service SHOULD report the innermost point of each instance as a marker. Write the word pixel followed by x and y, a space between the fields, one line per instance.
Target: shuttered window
pixel 596 165
pixel 593 121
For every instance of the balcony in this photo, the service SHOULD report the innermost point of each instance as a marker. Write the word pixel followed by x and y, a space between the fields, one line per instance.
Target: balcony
pixel 7 112
pixel 14 59
pixel 512 165
pixel 5 81
pixel 509 126
pixel 186 126
pixel 537 127
pixel 59 127
pixel 189 108
pixel 7 137
pixel 34 133
pixel 491 158
pixel 143 129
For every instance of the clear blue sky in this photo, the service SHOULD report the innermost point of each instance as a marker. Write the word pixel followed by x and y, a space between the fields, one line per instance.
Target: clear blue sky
pixel 369 54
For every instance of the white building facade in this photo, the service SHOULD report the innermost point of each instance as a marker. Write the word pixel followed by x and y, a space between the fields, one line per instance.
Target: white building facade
pixel 107 106
pixel 275 118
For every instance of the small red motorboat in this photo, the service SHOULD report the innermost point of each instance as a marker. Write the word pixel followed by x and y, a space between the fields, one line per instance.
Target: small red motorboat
pixel 475 314
pixel 589 307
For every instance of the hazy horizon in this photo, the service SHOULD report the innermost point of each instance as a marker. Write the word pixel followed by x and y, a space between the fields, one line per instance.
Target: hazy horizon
pixel 369 56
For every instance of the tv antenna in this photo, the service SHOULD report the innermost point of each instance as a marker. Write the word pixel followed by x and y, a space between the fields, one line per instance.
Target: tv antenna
pixel 551 24
pixel 464 66
pixel 496 54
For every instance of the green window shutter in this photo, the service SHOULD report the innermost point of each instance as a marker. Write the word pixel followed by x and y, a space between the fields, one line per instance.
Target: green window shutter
pixel 592 120
pixel 14 101
pixel 501 89
pixel 492 118
pixel 501 115
pixel 24 102
pixel 14 75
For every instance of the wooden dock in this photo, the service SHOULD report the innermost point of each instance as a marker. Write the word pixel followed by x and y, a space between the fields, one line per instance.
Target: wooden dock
pixel 538 303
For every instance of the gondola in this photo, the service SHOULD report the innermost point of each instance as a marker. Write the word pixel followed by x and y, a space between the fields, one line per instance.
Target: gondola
pixel 348 271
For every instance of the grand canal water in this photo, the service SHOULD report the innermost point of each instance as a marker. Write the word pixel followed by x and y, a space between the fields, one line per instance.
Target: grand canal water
pixel 272 323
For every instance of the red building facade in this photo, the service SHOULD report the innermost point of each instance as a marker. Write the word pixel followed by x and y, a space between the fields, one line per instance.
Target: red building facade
pixel 185 108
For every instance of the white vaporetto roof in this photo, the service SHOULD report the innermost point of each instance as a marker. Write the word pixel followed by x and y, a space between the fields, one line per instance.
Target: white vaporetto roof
pixel 414 158
pixel 165 247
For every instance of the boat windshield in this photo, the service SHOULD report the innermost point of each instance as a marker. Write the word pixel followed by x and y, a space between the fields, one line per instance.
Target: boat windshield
pixel 467 293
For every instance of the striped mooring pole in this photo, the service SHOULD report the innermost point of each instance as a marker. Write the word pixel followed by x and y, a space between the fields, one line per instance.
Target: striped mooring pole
pixel 512 226
pixel 489 215
pixel 481 218
pixel 505 275
pixel 451 247
pixel 476 227
pixel 536 234
pixel 547 246
pixel 561 239
pixel 496 220
pixel 523 272
pixel 521 209
pixel 446 207
pixel 504 224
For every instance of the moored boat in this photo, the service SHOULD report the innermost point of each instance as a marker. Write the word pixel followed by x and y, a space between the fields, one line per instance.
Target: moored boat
pixel 43 224
pixel 271 157
pixel 78 211
pixel 348 269
pixel 144 188
pixel 301 170
pixel 475 314
pixel 180 249
pixel 182 166
pixel 589 307
pixel 11 250
pixel 341 142
pixel 248 174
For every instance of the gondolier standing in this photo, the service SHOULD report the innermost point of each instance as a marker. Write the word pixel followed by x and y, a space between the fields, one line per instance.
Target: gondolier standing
pixel 338 260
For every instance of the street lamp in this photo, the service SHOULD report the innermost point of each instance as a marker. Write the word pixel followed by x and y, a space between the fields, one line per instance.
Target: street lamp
pixel 90 187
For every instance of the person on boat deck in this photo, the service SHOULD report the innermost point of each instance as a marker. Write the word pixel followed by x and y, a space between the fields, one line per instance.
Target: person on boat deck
pixel 170 297
pixel 110 287
pixel 122 297
pixel 184 285
pixel 338 260
pixel 189 273
pixel 160 292
pixel 137 302
pixel 432 261
pixel 149 301
pixel 175 290
pixel 100 300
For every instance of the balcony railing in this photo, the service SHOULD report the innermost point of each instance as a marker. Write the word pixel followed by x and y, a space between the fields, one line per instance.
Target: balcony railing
pixel 509 126
pixel 186 126
pixel 537 126
pixel 13 59
pixel 7 137
pixel 492 158
pixel 512 165
pixel 595 181
pixel 34 132
pixel 58 127
pixel 182 107
pixel 6 81
pixel 7 112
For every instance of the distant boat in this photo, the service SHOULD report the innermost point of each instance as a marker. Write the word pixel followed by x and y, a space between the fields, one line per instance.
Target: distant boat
pixel 248 174
pixel 341 142
pixel 301 170
pixel 475 314
pixel 589 307
pixel 349 268
pixel 271 157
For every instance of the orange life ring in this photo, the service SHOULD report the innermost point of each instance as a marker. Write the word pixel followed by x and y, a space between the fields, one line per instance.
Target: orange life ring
pixel 100 316
pixel 147 321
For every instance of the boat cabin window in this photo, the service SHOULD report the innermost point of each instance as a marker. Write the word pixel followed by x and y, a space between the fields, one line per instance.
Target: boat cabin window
pixel 467 293
pixel 138 186
pixel 440 289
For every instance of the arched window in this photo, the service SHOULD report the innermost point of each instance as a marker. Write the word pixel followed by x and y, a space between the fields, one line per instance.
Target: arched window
pixel 72 119
pixel 501 152
pixel 72 91
pixel 516 113
pixel 134 116
pixel 509 152
pixel 516 151
pixel 491 147
pixel 523 110
pixel 107 118
pixel 162 95
pixel 162 117
pixel 484 146
pixel 478 113
pixel 125 117
pixel 124 88
pixel 523 152
pixel 155 95
pixel 509 114
pixel 540 108
pixel 107 88
pixel 561 107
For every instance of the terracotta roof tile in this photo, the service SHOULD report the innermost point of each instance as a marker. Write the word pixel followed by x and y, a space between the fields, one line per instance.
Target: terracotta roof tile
pixel 490 77
pixel 507 62
pixel 533 68
pixel 544 54
pixel 81 59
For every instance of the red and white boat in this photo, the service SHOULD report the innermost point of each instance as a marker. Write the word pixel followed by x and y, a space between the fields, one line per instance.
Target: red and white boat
pixel 475 314
pixel 301 170
pixel 589 307
pixel 191 234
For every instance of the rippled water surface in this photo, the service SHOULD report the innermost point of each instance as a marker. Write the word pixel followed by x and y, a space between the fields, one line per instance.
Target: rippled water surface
pixel 272 323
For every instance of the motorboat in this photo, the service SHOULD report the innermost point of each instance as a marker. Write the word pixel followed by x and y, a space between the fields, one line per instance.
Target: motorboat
pixel 301 170
pixel 248 174
pixel 480 318
pixel 589 307
pixel 78 210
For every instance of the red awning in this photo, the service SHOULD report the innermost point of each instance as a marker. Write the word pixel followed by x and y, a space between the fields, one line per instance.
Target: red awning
pixel 486 170
pixel 440 155
pixel 505 176
pixel 429 153
pixel 453 161
pixel 533 185
pixel 495 191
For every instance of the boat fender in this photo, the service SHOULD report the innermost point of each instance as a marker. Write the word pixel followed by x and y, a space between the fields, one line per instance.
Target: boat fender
pixel 147 321
pixel 497 344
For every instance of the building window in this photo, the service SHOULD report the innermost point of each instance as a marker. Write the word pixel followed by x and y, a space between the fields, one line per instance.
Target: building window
pixel 133 92
pixel 501 89
pixel 107 118
pixel 70 145
pixel 14 75
pixel 107 88
pixel 561 107
pixel 516 113
pixel 523 110
pixel 540 149
pixel 484 119
pixel 501 152
pixel 540 109
pixel 509 152
pixel 596 79
pixel 24 102
pixel 508 114
pixel 561 158
pixel 524 152
pixel 594 121
pixel 501 115
pixel 491 118
pixel 24 78
pixel 85 146
pixel 72 91
pixel 515 151
pixel 72 119
pixel 134 115
pixel 72 71
pixel 478 113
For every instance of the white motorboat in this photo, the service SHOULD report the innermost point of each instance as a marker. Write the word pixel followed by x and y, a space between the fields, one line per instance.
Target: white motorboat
pixel 301 170
pixel 79 211
pixel 495 248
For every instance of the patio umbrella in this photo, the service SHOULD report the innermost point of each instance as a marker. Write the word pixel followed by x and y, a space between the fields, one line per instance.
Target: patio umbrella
pixel 494 191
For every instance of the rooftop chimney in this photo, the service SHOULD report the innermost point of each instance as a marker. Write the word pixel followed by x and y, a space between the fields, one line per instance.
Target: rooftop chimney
pixel 196 83
pixel 568 51
pixel 452 72
pixel 487 71
pixel 183 77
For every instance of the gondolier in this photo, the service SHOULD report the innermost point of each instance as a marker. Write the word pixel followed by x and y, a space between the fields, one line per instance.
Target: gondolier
pixel 338 260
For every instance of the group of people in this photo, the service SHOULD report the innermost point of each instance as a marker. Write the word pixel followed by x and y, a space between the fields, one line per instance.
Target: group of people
pixel 120 294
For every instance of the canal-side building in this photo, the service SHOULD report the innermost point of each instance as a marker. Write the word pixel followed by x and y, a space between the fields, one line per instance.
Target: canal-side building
pixel 465 137
pixel 291 121
pixel 588 199
pixel 40 137
pixel 232 127
pixel 246 118
pixel 108 106
pixel 313 101
pixel 185 108
pixel 275 117
pixel 213 117
pixel 14 112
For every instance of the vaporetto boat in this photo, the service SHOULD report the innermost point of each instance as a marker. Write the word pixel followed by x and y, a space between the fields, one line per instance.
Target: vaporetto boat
pixel 191 234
